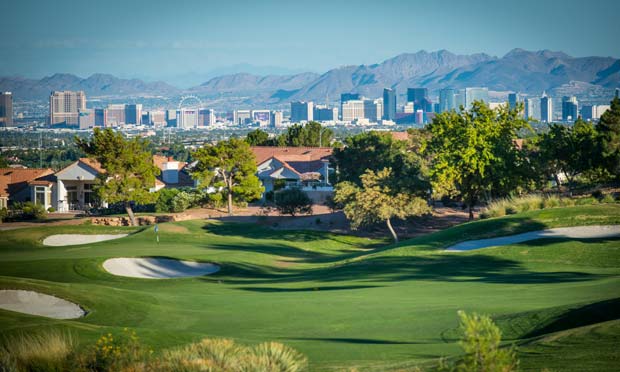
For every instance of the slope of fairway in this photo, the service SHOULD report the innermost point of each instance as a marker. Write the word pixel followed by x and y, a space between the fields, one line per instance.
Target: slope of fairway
pixel 343 301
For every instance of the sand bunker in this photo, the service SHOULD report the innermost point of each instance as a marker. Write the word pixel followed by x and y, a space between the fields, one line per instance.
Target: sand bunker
pixel 157 268
pixel 77 239
pixel 577 232
pixel 34 303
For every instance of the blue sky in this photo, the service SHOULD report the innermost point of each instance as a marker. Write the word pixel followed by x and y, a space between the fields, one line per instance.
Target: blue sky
pixel 174 39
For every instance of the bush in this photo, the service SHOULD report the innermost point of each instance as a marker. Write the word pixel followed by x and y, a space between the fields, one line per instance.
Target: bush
pixel 51 210
pixel 48 351
pixel 28 211
pixel 333 205
pixel 293 201
pixel 181 201
pixel 122 352
pixel 506 206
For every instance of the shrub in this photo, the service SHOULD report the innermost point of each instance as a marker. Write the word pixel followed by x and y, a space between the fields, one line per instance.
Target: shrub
pixel 276 357
pixel 333 205
pixel 181 201
pixel 122 352
pixel 51 210
pixel 608 199
pixel 165 200
pixel 506 206
pixel 48 351
pixel 293 201
pixel 28 211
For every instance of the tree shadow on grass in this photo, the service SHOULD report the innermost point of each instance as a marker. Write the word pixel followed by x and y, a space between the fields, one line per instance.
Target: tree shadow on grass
pixel 307 289
pixel 346 340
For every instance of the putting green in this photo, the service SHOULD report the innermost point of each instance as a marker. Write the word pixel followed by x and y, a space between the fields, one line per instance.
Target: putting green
pixel 343 301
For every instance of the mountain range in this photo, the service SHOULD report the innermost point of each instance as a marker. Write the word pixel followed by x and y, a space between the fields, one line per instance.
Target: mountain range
pixel 519 70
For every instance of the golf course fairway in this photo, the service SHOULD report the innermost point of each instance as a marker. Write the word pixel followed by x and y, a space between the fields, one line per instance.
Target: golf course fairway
pixel 343 301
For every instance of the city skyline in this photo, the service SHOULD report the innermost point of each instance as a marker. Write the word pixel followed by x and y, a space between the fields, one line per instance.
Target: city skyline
pixel 162 41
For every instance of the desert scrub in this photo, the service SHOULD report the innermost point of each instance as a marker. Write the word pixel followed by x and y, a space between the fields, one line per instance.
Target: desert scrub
pixel 48 351
pixel 123 352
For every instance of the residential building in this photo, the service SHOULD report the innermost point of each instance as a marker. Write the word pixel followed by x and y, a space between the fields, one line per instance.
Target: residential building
pixel 389 104
pixel 570 109
pixel 306 168
pixel 65 107
pixel 475 94
pixel 546 108
pixel 15 186
pixel 302 111
pixel 6 109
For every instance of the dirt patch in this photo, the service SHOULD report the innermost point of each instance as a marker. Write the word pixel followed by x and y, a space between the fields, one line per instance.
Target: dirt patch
pixel 174 229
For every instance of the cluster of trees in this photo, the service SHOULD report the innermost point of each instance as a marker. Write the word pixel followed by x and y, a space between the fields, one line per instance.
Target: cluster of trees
pixel 312 134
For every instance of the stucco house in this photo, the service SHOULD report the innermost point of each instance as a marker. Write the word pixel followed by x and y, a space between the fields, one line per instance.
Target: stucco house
pixel 306 168
pixel 24 184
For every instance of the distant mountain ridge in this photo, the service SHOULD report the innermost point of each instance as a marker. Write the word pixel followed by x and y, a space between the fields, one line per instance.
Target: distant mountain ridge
pixel 518 70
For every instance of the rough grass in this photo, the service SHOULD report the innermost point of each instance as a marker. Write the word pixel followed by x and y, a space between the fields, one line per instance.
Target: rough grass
pixel 44 351
pixel 514 205
pixel 344 302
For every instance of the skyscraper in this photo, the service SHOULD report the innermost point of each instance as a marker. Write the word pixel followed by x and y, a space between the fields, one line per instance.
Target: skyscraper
pixel 389 104
pixel 373 109
pixel 569 108
pixel 6 109
pixel 133 114
pixel 546 108
pixel 65 107
pixel 447 100
pixel 532 108
pixel 475 94
pixel 513 99
pixel 116 115
pixel 344 97
pixel 302 111
pixel 418 96
pixel 206 117
pixel 187 118
pixel 325 113
pixel 276 119
pixel 352 110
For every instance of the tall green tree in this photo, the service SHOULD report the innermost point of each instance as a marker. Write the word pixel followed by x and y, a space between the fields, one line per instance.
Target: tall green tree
pixel 378 150
pixel 230 165
pixel 474 151
pixel 129 170
pixel 312 134
pixel 376 201
pixel 259 137
pixel 608 129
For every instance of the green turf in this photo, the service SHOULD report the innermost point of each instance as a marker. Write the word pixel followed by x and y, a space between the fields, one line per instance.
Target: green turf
pixel 343 301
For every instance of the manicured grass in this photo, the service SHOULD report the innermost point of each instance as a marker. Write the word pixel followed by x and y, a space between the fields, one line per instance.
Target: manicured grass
pixel 343 301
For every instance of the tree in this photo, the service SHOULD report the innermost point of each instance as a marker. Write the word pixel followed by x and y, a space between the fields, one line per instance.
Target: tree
pixel 481 344
pixel 474 151
pixel 230 165
pixel 259 137
pixel 293 201
pixel 312 134
pixel 608 129
pixel 376 201
pixel 378 150
pixel 129 170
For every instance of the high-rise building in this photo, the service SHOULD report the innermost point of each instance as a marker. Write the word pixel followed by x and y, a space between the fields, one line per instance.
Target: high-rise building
pixel 570 108
pixel 171 118
pixel 344 97
pixel 276 118
pixel 373 109
pixel 447 99
pixel 116 115
pixel 532 108
pixel 242 117
pixel 156 118
pixel 352 109
pixel 86 119
pixel 546 108
pixel 206 117
pixel 408 108
pixel 593 112
pixel 325 113
pixel 101 117
pixel 418 96
pixel 513 100
pixel 6 109
pixel 65 107
pixel 187 118
pixel 389 104
pixel 133 114
pixel 475 94
pixel 302 111
pixel 261 117
pixel 419 117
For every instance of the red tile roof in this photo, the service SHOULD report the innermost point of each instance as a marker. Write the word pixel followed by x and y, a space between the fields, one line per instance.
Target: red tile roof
pixel 289 154
pixel 14 179
pixel 400 136
pixel 93 163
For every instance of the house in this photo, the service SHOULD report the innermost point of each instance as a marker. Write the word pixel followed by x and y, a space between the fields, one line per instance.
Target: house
pixel 72 187
pixel 24 184
pixel 174 174
pixel 306 168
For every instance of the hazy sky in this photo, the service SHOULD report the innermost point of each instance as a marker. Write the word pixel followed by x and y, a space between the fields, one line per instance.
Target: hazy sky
pixel 157 39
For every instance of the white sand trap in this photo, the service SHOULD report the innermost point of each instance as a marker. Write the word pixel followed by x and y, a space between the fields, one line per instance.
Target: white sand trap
pixel 34 303
pixel 77 239
pixel 157 268
pixel 577 232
